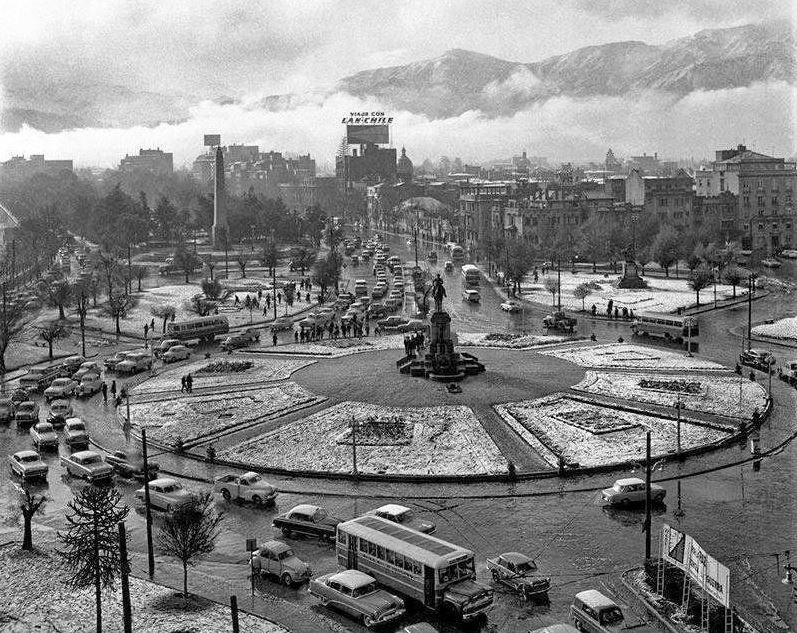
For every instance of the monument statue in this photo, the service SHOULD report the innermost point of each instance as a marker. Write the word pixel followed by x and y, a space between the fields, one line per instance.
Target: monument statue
pixel 438 293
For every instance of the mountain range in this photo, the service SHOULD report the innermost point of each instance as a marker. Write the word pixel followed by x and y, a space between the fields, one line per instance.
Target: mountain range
pixel 455 82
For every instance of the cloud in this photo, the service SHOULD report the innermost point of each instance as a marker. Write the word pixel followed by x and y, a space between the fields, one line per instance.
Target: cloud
pixel 521 83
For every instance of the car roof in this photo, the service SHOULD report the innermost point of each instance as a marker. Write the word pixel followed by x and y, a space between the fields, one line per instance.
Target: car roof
pixel 82 454
pixel 595 599
pixel 45 425
pixel 629 481
pixel 515 557
pixel 557 628
pixel 28 453
pixel 352 578
pixel 276 546
pixel 163 481
pixel 58 402
pixel 304 508
pixel 392 508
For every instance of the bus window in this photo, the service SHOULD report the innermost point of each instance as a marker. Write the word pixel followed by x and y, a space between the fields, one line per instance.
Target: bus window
pixel 390 557
pixel 380 552
pixel 364 546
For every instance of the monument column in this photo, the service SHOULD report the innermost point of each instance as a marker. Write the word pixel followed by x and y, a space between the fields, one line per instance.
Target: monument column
pixel 219 232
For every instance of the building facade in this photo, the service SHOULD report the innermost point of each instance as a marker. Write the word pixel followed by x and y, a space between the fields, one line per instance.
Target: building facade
pixel 19 168
pixel 155 161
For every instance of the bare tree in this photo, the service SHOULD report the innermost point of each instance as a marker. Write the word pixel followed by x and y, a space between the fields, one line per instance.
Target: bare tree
pixel 551 286
pixel 82 308
pixel 91 541
pixel 30 504
pixel 208 261
pixel 57 294
pixel 164 312
pixel 11 323
pixel 242 259
pixel 191 532
pixel 118 306
pixel 140 273
pixel 51 332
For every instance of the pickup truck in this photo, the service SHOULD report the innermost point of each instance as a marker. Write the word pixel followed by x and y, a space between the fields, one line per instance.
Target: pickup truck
pixel 247 487
pixel 518 572
pixel 86 464
pixel 307 519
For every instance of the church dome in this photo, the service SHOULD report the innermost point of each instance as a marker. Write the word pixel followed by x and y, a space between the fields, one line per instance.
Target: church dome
pixel 404 166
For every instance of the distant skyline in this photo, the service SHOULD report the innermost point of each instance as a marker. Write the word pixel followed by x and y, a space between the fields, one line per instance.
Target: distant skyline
pixel 201 62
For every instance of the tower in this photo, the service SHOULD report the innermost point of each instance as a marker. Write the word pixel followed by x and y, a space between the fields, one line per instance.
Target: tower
pixel 220 227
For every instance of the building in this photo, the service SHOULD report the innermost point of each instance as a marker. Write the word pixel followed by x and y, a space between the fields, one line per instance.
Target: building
pixel 404 167
pixel 645 163
pixel 19 168
pixel 669 198
pixel 154 161
pixel 368 163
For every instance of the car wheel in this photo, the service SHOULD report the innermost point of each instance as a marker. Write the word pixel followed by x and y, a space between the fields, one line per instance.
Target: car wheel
pixel 495 574
pixel 324 602
pixel 226 494
pixel 168 507
pixel 368 621
pixel 286 532
pixel 287 580
pixel 256 500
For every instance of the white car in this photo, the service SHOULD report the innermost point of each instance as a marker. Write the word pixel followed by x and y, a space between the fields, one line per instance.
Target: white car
pixel 89 385
pixel 176 353
pixel 166 494
pixel 511 306
pixel 76 433
pixel 28 465
pixel 87 464
pixel 630 491
pixel 789 253
pixel 89 367
pixel 402 514
pixel 44 436
pixel 60 388
pixel 134 363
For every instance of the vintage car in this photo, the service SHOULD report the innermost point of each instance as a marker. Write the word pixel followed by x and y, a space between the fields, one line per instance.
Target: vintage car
pixel 511 306
pixel 134 362
pixel 127 465
pixel 70 365
pixel 60 388
pixel 44 436
pixel 306 519
pixel 392 322
pixel 60 410
pixel 20 395
pixel 471 295
pixel 518 572
pixel 594 612
pixel 166 494
pixel 282 323
pixel 6 409
pixel 559 321
pixel 88 465
pixel 112 361
pixel 630 491
pixel 89 385
pixel 28 465
pixel 247 487
pixel 402 514
pixel 276 558
pixel 176 353
pixel 27 412
pixel 75 433
pixel 164 346
pixel 414 325
pixel 760 359
pixel 377 311
pixel 89 367
pixel 357 594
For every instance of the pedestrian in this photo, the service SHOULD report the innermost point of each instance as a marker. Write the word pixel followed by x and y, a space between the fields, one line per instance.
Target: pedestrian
pixel 182 384
pixel 594 309
pixel 265 310
pixel 295 336
pixel 104 392
pixel 189 384
pixel 268 301
pixel 152 325
pixel 146 334
pixel 237 300
pixel 367 329
pixel 279 298
pixel 259 294
pixel 609 306
pixel 274 339
pixel 308 298
pixel 617 313
pixel 113 388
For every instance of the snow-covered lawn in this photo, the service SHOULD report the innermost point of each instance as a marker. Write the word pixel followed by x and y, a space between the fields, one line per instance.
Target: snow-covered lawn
pixel 334 348
pixel 627 356
pixel 717 394
pixel 446 440
pixel 508 341
pixel 190 417
pixel 661 295
pixel 783 328
pixel 35 597
pixel 594 435
pixel 262 370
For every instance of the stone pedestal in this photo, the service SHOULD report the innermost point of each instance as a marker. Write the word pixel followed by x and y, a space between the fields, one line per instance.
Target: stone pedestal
pixel 631 278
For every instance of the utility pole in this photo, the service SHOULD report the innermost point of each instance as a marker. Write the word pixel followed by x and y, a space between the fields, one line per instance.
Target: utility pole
pixel 354 447
pixel 678 434
pixel 749 310
pixel 127 611
pixel 234 613
pixel 148 509
pixel 559 281
pixel 648 503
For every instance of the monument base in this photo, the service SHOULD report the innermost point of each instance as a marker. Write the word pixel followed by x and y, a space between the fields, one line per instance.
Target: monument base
pixel 631 278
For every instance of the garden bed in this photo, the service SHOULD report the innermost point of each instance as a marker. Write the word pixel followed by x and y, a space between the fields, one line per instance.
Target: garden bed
pixel 785 329
pixel 508 341
pixel 628 356
pixel 333 348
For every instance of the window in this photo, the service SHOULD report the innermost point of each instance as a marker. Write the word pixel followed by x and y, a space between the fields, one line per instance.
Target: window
pixel 761 202
pixel 363 546
pixel 341 536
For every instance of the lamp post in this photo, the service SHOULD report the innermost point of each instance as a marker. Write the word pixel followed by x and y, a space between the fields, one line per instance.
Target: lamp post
pixel 678 427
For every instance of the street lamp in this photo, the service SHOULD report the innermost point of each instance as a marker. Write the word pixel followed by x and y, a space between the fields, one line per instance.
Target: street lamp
pixel 678 407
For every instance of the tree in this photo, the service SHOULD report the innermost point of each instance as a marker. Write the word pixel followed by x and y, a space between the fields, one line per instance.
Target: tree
pixel 82 307
pixel 242 259
pixel 551 286
pixel 30 504
pixel 643 257
pixel 208 261
pixel 11 324
pixel 315 221
pixel 213 290
pixel 582 291
pixel 163 312
pixel 327 273
pixel 166 219
pixel 91 541
pixel 733 276
pixel 51 332
pixel 139 273
pixel 519 259
pixel 57 294
pixel 303 259
pixel 665 248
pixel 191 532
pixel 701 278
pixel 186 261
pixel 270 256
pixel 593 240
pixel 118 306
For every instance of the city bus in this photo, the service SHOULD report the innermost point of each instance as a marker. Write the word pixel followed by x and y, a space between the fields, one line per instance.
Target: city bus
pixel 203 328
pixel 438 575
pixel 471 276
pixel 669 326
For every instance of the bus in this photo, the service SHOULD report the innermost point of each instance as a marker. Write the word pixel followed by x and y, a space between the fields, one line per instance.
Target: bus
pixel 203 328
pixel 471 276
pixel 438 575
pixel 669 326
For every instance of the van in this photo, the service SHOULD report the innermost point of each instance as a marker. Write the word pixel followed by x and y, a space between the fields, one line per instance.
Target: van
pixel 39 378
pixel 593 612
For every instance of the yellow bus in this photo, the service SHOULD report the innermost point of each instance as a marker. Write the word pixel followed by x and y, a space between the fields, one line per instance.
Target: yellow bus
pixel 426 569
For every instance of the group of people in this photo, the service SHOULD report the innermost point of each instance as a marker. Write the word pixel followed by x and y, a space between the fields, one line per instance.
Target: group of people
pixel 613 312
pixel 186 384
pixel 413 343
pixel 333 331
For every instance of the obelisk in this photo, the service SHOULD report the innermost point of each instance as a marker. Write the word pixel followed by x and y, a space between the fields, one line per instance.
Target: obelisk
pixel 220 228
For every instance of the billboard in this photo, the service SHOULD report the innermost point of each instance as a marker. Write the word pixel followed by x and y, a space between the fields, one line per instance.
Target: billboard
pixel 362 134
pixel 674 547
pixel 212 140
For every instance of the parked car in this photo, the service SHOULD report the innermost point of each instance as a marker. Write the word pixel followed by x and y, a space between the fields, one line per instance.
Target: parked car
pixel 60 388
pixel 593 612
pixel 27 413
pixel 111 362
pixel 89 385
pixel 518 572
pixel 28 465
pixel 176 353
pixel 357 594
pixel 70 365
pixel 404 515
pixel 44 436
pixel 278 559
pixel 87 465
pixel 282 323
pixel 760 359
pixel 559 321
pixel 166 494
pixel 19 395
pixel 247 487
pixel 631 490
pixel 307 519
pixel 75 433
pixel 165 345
pixel 377 311
pixel 511 306
pixel 134 362
pixel 128 465
pixel 471 295
pixel 6 409
pixel 89 367
pixel 414 325
pixel 60 410
pixel 448 266
pixel 392 322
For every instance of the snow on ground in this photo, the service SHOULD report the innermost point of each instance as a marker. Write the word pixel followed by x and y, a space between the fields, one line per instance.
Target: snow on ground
pixel 729 396
pixel 661 295
pixel 508 341
pixel 783 329
pixel 445 440
pixel 262 370
pixel 36 598
pixel 626 356
pixel 190 417
pixel 593 435
pixel 333 348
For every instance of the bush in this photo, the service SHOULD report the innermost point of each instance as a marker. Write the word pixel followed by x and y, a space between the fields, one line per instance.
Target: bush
pixel 179 445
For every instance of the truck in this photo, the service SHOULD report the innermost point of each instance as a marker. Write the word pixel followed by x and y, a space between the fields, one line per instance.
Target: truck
pixel 247 487
pixel 560 321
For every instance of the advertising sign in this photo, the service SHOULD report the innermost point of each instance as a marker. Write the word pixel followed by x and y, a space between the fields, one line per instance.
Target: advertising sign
pixel 710 574
pixel 675 546
pixel 363 134
pixel 212 140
